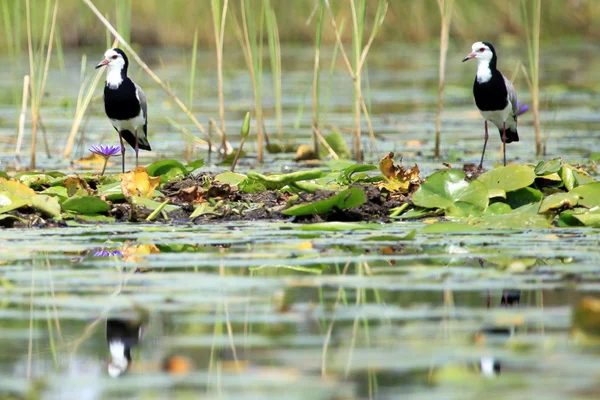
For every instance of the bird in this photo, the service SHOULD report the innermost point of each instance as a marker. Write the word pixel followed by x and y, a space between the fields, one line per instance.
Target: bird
pixel 122 336
pixel 125 103
pixel 495 96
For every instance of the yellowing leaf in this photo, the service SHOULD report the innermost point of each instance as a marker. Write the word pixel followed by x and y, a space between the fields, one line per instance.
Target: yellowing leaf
pixel 92 160
pixel 77 186
pixel 133 252
pixel 13 195
pixel 397 178
pixel 138 183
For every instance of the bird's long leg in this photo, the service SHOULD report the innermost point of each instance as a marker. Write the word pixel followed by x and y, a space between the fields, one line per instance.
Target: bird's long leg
pixel 504 142
pixel 137 148
pixel 122 150
pixel 487 136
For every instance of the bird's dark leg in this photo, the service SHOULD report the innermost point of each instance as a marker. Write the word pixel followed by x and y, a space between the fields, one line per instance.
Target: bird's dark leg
pixel 504 142
pixel 487 136
pixel 137 148
pixel 122 150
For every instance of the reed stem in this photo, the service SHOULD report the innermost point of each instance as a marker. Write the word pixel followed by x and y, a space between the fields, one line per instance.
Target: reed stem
pixel 446 8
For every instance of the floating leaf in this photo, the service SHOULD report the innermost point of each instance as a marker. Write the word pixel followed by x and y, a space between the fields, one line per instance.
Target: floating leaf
pixel 85 205
pixel 448 227
pixel 194 165
pixel 59 191
pixel 398 179
pixel 509 178
pixel 559 200
pixel 590 194
pixel 568 177
pixel 548 167
pixel 520 197
pixel 391 238
pixel 14 195
pixel 34 179
pixel 77 186
pixel 48 205
pixel 167 169
pixel 313 270
pixel 231 178
pixel 448 190
pixel 338 226
pixel 498 209
pixel 511 221
pixel 93 160
pixel 138 183
pixel 591 219
pixel 349 198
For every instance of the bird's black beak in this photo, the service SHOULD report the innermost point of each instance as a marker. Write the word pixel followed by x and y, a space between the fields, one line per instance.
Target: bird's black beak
pixel 469 56
pixel 102 64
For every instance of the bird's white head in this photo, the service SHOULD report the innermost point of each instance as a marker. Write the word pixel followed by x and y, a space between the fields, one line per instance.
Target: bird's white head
pixel 117 64
pixel 485 54
pixel 482 51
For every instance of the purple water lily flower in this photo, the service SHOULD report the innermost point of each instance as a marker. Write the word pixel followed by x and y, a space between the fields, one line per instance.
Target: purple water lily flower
pixel 522 108
pixel 107 253
pixel 107 152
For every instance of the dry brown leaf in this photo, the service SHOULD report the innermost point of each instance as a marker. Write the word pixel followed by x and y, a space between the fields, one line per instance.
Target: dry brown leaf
pixel 75 185
pixel 92 160
pixel 398 178
pixel 138 183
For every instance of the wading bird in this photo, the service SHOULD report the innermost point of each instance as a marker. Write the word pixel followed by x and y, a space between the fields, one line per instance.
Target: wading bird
pixel 495 96
pixel 125 103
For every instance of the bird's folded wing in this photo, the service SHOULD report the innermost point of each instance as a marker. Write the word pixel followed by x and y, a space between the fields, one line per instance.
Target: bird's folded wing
pixel 511 94
pixel 142 98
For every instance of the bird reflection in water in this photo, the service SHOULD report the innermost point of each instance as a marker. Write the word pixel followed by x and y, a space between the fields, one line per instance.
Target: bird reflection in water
pixel 122 336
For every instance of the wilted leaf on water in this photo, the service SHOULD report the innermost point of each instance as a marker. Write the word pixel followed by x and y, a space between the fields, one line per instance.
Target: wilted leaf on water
pixel 548 167
pixel 590 194
pixel 48 205
pixel 231 178
pixel 313 270
pixel 85 205
pixel 13 195
pixel 138 183
pixel 349 198
pixel 509 178
pixel 77 186
pixel 397 178
pixel 93 160
pixel 135 252
pixel 559 200
pixel 448 190
pixel 167 169
pixel 523 196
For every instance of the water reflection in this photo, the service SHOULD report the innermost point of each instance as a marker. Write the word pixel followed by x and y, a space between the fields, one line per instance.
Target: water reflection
pixel 122 336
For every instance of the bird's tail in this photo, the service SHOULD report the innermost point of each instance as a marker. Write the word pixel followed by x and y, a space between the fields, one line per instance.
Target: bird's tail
pixel 143 142
pixel 511 134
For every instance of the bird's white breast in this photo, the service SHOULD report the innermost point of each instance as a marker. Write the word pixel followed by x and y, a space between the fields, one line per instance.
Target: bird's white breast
pixel 498 117
pixel 129 124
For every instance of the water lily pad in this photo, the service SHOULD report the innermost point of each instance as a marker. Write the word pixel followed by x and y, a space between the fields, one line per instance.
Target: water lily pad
pixel 77 186
pixel 232 178
pixel 568 177
pixel 85 205
pixel 511 221
pixel 448 227
pixel 349 198
pixel 548 167
pixel 167 169
pixel 523 196
pixel 591 219
pixel 14 195
pixel 589 193
pixel 48 205
pixel 449 190
pixel 59 191
pixel 509 178
pixel 498 209
pixel 337 226
pixel 559 200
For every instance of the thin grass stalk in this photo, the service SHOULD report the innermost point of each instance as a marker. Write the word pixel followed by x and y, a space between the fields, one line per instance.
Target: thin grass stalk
pixel 357 31
pixel 275 57
pixel 23 115
pixel 336 47
pixel 533 50
pixel 219 19
pixel 34 115
pixel 446 8
pixel 192 83
pixel 8 29
pixel 145 67
pixel 316 75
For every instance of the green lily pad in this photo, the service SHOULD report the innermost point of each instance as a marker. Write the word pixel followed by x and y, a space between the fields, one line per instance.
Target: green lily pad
pixel 349 198
pixel 559 200
pixel 59 191
pixel 337 226
pixel 511 221
pixel 523 196
pixel 509 178
pixel 14 195
pixel 498 209
pixel 85 205
pixel 313 270
pixel 591 219
pixel 568 177
pixel 589 193
pixel 449 227
pixel 48 205
pixel 548 167
pixel 167 169
pixel 449 190
pixel 194 165
pixel 232 178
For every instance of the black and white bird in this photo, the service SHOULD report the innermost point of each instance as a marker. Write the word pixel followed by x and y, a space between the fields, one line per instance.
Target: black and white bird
pixel 122 336
pixel 495 96
pixel 125 103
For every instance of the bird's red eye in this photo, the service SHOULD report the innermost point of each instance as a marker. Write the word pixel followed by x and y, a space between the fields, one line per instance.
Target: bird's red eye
pixel 482 49
pixel 115 57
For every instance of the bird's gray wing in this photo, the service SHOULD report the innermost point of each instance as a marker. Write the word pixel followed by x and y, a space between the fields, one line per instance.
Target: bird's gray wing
pixel 511 95
pixel 142 98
